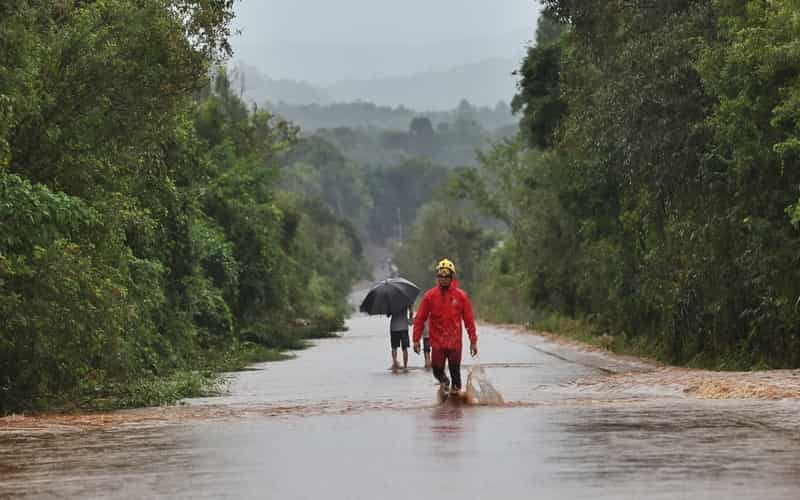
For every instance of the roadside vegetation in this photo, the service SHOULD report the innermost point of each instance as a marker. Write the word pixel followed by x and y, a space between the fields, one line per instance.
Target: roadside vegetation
pixel 155 230
pixel 145 244
pixel 653 192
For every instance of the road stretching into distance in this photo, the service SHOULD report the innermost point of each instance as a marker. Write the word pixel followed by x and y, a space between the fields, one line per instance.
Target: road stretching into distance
pixel 335 423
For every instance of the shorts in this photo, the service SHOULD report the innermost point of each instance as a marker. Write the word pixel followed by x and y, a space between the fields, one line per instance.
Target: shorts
pixel 400 337
pixel 426 344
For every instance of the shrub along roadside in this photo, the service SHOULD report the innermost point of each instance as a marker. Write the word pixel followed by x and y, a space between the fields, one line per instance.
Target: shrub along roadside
pixel 654 191
pixel 209 378
pixel 143 238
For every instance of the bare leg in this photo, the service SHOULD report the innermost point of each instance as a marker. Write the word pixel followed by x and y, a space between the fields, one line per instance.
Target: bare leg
pixel 427 360
pixel 395 364
pixel 405 358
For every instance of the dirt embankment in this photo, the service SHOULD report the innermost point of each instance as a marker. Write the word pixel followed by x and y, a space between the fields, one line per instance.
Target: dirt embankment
pixel 55 423
pixel 628 371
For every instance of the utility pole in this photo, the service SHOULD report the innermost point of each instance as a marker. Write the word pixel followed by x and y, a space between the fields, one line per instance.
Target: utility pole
pixel 399 227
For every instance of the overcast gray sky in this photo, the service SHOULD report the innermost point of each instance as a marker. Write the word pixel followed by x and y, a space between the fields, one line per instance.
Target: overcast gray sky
pixel 346 21
pixel 282 37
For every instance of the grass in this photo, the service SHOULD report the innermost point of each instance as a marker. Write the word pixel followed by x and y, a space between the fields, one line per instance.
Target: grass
pixel 168 389
pixel 157 391
pixel 584 331
pixel 575 329
pixel 244 354
pixel 579 330
pixel 206 381
pixel 202 375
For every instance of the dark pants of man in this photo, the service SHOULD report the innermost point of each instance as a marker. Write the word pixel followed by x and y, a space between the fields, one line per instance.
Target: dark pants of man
pixel 453 357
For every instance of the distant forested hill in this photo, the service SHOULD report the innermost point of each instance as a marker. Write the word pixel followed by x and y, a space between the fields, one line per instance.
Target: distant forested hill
pixel 483 83
pixel 369 115
pixel 254 87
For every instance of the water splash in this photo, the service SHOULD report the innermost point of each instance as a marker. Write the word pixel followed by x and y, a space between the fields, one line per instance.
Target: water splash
pixel 480 390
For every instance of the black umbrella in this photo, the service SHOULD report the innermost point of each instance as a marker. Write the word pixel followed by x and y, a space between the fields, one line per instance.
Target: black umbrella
pixel 389 296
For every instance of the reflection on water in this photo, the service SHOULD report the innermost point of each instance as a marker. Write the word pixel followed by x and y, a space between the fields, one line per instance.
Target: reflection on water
pixel 88 464
pixel 625 451
pixel 447 418
pixel 334 423
pixel 683 440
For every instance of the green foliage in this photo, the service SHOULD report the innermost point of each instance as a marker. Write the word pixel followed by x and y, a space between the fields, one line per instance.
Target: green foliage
pixel 64 301
pixel 444 229
pixel 500 296
pixel 568 327
pixel 362 116
pixel 242 354
pixel 86 126
pixel 142 240
pixel 377 142
pixel 318 169
pixel 540 99
pixel 398 191
pixel 328 260
pixel 153 391
pixel 659 210
pixel 548 29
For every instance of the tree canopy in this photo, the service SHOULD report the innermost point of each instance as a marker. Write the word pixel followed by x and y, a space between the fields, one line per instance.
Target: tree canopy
pixel 144 231
pixel 658 195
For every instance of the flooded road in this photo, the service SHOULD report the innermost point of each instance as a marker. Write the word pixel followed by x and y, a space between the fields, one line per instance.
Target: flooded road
pixel 336 423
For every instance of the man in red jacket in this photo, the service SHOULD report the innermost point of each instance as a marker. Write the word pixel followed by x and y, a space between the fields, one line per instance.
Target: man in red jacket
pixel 446 306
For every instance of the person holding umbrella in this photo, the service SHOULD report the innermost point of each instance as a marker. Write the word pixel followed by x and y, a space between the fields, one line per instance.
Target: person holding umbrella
pixel 394 298
pixel 398 334
pixel 445 307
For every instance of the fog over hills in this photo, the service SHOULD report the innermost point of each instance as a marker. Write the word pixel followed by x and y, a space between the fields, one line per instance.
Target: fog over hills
pixel 482 83
pixel 329 63
pixel 417 53
pixel 257 88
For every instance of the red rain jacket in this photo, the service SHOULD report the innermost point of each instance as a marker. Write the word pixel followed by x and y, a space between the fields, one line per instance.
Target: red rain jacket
pixel 446 310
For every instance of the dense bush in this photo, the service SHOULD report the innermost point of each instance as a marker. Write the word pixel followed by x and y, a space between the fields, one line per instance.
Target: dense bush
pixel 142 235
pixel 659 196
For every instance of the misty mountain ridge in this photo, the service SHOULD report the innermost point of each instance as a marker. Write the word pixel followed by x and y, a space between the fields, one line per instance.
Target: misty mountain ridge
pixel 482 83
pixel 259 89
pixel 330 62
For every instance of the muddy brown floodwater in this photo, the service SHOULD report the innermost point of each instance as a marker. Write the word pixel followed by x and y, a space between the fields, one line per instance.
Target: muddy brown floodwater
pixel 335 423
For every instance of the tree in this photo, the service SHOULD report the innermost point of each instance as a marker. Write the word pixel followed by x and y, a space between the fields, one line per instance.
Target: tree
pixel 539 98
pixel 548 29
pixel 142 230
pixel 443 229
pixel 421 127
pixel 398 192
pixel 421 136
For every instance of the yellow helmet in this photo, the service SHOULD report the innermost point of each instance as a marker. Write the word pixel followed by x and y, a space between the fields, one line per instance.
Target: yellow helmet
pixel 446 264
